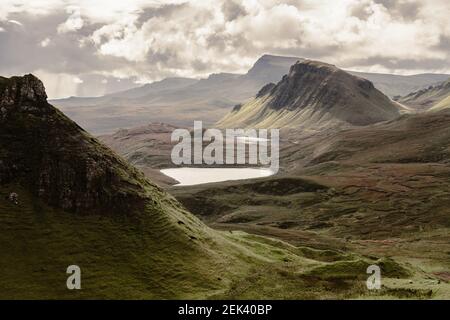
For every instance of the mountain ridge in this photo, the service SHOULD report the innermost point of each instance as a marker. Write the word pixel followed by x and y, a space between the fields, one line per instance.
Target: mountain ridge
pixel 206 99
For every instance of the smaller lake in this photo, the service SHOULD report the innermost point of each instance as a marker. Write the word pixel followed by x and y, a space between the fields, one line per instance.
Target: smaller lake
pixel 192 176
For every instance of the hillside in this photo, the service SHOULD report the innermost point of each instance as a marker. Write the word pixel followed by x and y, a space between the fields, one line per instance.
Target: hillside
pixel 434 97
pixel 441 105
pixel 379 189
pixel 314 95
pixel 79 203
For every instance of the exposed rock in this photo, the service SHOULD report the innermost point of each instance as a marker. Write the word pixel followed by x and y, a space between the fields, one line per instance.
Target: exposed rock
pixel 265 90
pixel 62 164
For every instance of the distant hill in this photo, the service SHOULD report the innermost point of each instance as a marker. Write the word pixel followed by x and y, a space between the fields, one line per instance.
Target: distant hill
pixel 314 95
pixel 394 85
pixel 434 97
pixel 180 101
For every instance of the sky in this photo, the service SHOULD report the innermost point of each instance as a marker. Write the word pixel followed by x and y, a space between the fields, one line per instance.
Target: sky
pixel 89 48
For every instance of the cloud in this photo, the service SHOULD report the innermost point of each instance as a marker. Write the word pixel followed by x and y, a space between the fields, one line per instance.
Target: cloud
pixel 73 23
pixel 142 40
pixel 44 43
pixel 15 22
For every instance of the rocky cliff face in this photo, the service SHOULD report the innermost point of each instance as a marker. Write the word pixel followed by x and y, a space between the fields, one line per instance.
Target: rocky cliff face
pixel 58 161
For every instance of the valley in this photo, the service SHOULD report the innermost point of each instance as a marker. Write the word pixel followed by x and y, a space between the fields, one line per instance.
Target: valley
pixel 379 189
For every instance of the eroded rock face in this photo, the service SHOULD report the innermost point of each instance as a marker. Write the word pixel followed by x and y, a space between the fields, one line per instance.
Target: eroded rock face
pixel 315 83
pixel 59 162
pixel 26 91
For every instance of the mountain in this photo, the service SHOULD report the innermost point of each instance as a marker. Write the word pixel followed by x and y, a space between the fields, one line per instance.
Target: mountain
pixel 314 95
pixel 434 97
pixel 206 99
pixel 164 101
pixel 270 68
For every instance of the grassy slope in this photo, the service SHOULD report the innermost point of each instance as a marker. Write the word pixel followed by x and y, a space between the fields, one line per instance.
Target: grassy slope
pixel 443 104
pixel 148 259
pixel 385 191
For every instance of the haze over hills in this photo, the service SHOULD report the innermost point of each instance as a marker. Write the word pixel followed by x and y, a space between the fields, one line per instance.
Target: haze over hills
pixel 394 85
pixel 314 95
pixel 436 97
pixel 207 99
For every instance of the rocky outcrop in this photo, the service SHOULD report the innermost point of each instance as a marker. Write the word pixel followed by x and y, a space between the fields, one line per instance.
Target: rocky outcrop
pixel 59 162
pixel 265 90
pixel 315 95
pixel 26 93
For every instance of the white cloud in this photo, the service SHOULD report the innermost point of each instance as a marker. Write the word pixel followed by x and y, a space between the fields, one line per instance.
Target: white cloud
pixel 58 85
pixel 77 80
pixel 73 23
pixel 44 43
pixel 15 22
pixel 198 34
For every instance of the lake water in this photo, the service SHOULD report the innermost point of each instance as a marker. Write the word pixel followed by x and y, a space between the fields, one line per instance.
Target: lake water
pixel 192 176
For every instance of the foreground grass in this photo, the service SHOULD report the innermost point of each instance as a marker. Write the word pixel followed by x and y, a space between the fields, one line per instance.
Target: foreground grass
pixel 126 258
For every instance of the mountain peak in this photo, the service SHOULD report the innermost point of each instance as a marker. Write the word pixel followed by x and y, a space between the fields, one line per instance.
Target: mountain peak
pixel 310 82
pixel 269 66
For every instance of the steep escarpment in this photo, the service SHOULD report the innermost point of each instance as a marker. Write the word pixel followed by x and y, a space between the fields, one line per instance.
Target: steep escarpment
pixel 315 95
pixel 58 161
